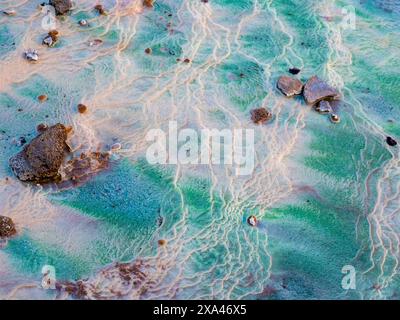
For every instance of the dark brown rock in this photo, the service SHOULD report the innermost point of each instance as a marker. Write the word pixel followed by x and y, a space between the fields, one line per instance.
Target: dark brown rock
pixel 289 86
pixel 316 90
pixel 41 159
pixel 7 227
pixel 261 115
pixel 61 6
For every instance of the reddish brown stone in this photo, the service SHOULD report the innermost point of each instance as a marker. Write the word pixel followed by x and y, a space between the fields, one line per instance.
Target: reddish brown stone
pixel 7 227
pixel 148 51
pixel 41 159
pixel 100 9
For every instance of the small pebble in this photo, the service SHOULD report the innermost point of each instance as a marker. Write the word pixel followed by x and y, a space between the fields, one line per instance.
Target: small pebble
pixel 148 3
pixel 323 107
pixel 252 221
pixel 95 42
pixel 148 51
pixel 335 118
pixel 100 9
pixel 391 142
pixel 41 127
pixel 31 55
pixel 51 39
pixel 294 71
pixel 260 115
pixel 21 141
pixel 10 12
pixel 42 98
pixel 186 60
pixel 162 242
pixel 82 108
pixel 83 23
pixel 116 146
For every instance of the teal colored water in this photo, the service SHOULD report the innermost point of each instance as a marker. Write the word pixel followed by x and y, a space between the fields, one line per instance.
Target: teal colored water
pixel 326 195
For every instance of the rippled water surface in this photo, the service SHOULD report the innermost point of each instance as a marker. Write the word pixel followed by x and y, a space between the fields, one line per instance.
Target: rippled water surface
pixel 326 195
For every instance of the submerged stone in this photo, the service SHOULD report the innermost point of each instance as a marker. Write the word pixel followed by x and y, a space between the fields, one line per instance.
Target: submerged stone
pixel 41 159
pixel 261 115
pixel 7 227
pixel 62 6
pixel 252 221
pixel 323 107
pixel 31 55
pixel 316 90
pixel 289 86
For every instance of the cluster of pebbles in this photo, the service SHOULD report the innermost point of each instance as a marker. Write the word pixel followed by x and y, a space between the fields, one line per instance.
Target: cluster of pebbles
pixel 316 93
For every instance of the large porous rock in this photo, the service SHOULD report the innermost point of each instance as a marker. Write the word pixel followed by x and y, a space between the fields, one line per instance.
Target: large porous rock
pixel 7 227
pixel 289 86
pixel 61 6
pixel 41 160
pixel 316 90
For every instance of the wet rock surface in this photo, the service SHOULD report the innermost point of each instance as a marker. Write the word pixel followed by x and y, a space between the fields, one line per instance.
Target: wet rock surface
pixel 289 86
pixel 41 159
pixel 7 227
pixel 62 6
pixel 316 90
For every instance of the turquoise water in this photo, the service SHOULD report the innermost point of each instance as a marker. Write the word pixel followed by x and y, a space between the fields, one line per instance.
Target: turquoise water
pixel 326 195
